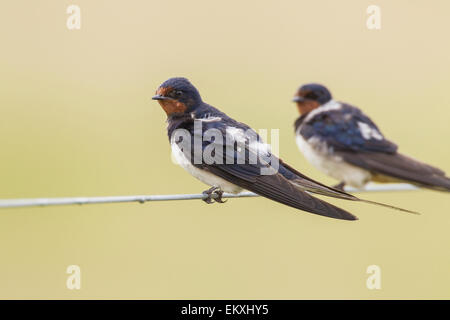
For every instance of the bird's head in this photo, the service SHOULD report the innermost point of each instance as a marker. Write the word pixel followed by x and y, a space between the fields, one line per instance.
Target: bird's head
pixel 177 96
pixel 311 96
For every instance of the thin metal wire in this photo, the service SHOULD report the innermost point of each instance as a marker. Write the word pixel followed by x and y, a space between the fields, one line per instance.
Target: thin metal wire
pixel 43 202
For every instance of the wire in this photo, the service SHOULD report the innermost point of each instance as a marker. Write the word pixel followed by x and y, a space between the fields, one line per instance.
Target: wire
pixel 44 202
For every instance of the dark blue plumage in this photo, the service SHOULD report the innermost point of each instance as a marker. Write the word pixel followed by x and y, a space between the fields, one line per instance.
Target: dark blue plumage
pixel 341 130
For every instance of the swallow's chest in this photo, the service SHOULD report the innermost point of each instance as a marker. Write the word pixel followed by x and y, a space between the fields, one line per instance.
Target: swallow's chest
pixel 319 155
pixel 315 151
pixel 182 124
pixel 178 157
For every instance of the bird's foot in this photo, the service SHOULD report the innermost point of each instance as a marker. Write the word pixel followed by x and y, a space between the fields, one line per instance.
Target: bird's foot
pixel 217 192
pixel 340 186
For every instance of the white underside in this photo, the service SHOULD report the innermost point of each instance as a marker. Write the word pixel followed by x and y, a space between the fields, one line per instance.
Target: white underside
pixel 319 156
pixel 202 175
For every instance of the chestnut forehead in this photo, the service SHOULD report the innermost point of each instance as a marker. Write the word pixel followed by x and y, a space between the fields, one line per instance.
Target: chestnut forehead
pixel 163 91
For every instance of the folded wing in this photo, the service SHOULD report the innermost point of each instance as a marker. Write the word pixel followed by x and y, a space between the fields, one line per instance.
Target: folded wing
pixel 248 174
pixel 401 167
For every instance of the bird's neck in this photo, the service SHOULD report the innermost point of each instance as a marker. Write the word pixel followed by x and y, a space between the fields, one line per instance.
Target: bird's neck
pixel 204 109
pixel 307 106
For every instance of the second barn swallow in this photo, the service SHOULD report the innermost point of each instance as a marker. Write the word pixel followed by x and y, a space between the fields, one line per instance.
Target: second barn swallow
pixel 343 142
pixel 186 110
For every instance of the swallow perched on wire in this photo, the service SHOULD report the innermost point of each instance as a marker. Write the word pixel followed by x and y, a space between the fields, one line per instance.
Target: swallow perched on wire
pixel 237 158
pixel 341 141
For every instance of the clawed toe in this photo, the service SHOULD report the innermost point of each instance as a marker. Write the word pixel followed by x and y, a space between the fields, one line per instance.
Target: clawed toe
pixel 217 195
pixel 208 199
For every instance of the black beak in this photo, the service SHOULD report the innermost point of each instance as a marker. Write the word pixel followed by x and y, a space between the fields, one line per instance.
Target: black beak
pixel 298 99
pixel 160 97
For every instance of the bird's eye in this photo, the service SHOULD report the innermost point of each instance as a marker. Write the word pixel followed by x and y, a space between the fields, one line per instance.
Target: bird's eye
pixel 311 95
pixel 178 93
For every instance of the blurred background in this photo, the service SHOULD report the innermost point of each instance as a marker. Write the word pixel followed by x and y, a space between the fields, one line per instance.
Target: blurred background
pixel 77 120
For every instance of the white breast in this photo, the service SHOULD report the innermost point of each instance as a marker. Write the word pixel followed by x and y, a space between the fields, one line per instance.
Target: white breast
pixel 318 155
pixel 210 179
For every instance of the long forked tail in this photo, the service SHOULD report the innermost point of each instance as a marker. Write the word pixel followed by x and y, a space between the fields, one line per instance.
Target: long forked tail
pixel 336 193
pixel 311 186
pixel 388 206
pixel 344 196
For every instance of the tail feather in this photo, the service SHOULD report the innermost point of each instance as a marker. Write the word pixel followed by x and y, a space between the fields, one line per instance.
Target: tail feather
pixel 294 197
pixel 388 206
pixel 312 186
pixel 401 167
pixel 276 187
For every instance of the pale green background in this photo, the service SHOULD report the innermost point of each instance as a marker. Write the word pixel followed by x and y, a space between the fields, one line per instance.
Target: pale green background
pixel 77 120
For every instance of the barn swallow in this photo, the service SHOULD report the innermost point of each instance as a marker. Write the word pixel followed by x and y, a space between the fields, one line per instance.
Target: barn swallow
pixel 232 171
pixel 343 142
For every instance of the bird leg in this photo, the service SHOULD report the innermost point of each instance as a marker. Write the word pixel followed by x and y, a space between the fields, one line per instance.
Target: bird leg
pixel 218 195
pixel 340 186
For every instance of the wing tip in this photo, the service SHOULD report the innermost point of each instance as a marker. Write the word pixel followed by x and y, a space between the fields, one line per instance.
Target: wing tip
pixel 348 217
